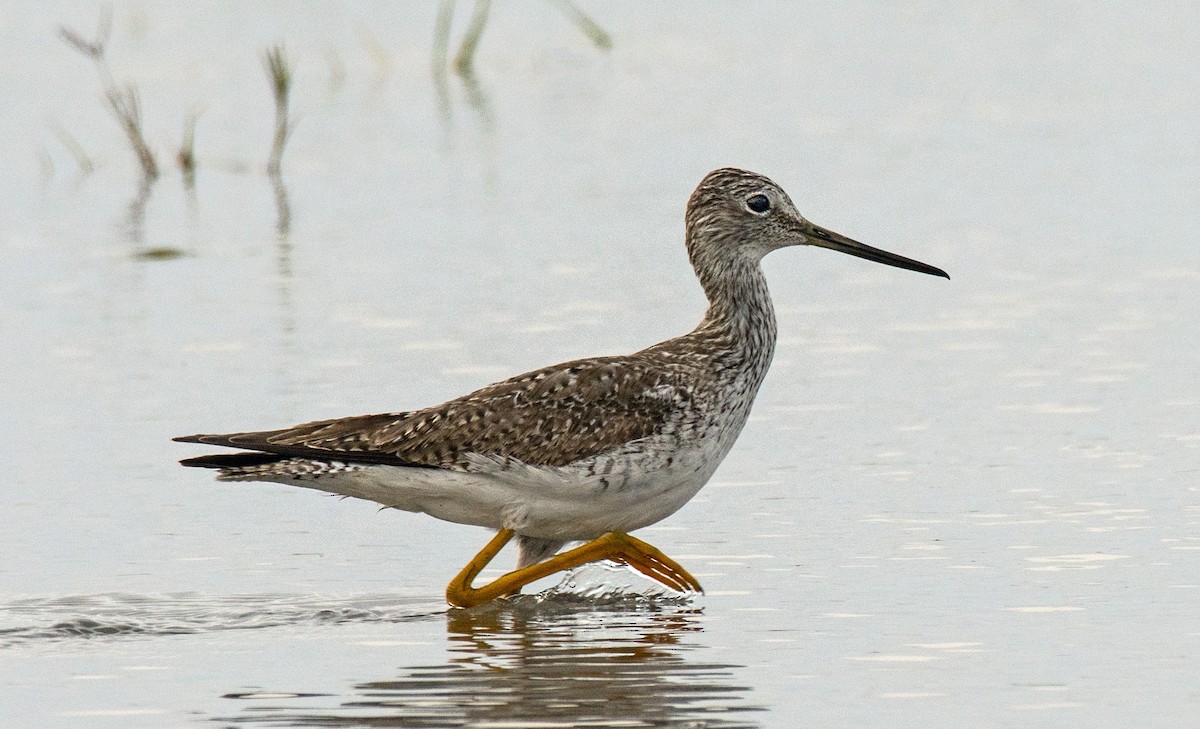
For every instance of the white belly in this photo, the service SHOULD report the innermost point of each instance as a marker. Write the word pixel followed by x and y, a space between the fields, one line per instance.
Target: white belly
pixel 567 503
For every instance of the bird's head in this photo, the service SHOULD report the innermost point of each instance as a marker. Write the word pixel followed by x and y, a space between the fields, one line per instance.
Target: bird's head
pixel 737 214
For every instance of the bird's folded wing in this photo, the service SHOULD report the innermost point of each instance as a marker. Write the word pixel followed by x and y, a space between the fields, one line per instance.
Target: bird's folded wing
pixel 548 417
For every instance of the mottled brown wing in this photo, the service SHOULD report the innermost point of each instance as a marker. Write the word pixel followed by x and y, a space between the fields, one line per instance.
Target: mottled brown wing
pixel 552 417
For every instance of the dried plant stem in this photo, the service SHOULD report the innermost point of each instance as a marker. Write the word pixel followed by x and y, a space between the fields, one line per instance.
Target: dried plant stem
pixel 82 159
pixel 123 102
pixel 464 62
pixel 126 105
pixel 441 35
pixel 279 73
pixel 597 35
pixel 186 156
pixel 92 49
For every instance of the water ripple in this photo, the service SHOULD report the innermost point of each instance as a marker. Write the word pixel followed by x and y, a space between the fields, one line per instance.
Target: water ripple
pixel 123 614
pixel 601 586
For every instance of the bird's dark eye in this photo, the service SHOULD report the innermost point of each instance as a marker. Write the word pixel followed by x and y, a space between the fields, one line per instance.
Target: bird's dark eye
pixel 758 203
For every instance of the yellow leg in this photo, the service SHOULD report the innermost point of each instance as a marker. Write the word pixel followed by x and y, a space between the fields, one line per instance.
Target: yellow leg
pixel 614 546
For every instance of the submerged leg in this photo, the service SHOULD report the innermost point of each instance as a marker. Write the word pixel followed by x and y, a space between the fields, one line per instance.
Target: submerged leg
pixel 615 546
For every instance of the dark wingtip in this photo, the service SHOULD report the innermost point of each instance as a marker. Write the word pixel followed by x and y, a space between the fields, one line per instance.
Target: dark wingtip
pixel 198 438
pixel 232 460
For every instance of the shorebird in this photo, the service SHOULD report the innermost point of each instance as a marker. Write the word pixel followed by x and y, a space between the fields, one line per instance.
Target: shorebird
pixel 583 451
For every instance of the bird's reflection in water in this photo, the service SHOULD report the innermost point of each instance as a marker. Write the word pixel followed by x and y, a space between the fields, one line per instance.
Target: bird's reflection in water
pixel 556 662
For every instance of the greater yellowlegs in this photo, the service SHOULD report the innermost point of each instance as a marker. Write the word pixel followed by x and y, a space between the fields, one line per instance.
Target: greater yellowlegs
pixel 587 450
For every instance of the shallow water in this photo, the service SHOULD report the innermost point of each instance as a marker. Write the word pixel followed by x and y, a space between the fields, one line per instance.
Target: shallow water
pixel 963 503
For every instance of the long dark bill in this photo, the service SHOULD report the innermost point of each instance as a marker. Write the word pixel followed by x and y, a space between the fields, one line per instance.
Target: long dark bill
pixel 819 236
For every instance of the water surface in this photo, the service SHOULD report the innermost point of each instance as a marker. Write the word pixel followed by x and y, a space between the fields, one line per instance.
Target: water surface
pixel 963 503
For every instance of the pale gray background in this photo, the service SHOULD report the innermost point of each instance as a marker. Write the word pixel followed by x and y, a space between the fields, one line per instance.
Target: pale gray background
pixel 963 503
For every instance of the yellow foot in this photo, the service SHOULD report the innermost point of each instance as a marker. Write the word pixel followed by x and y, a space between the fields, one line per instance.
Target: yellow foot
pixel 614 546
